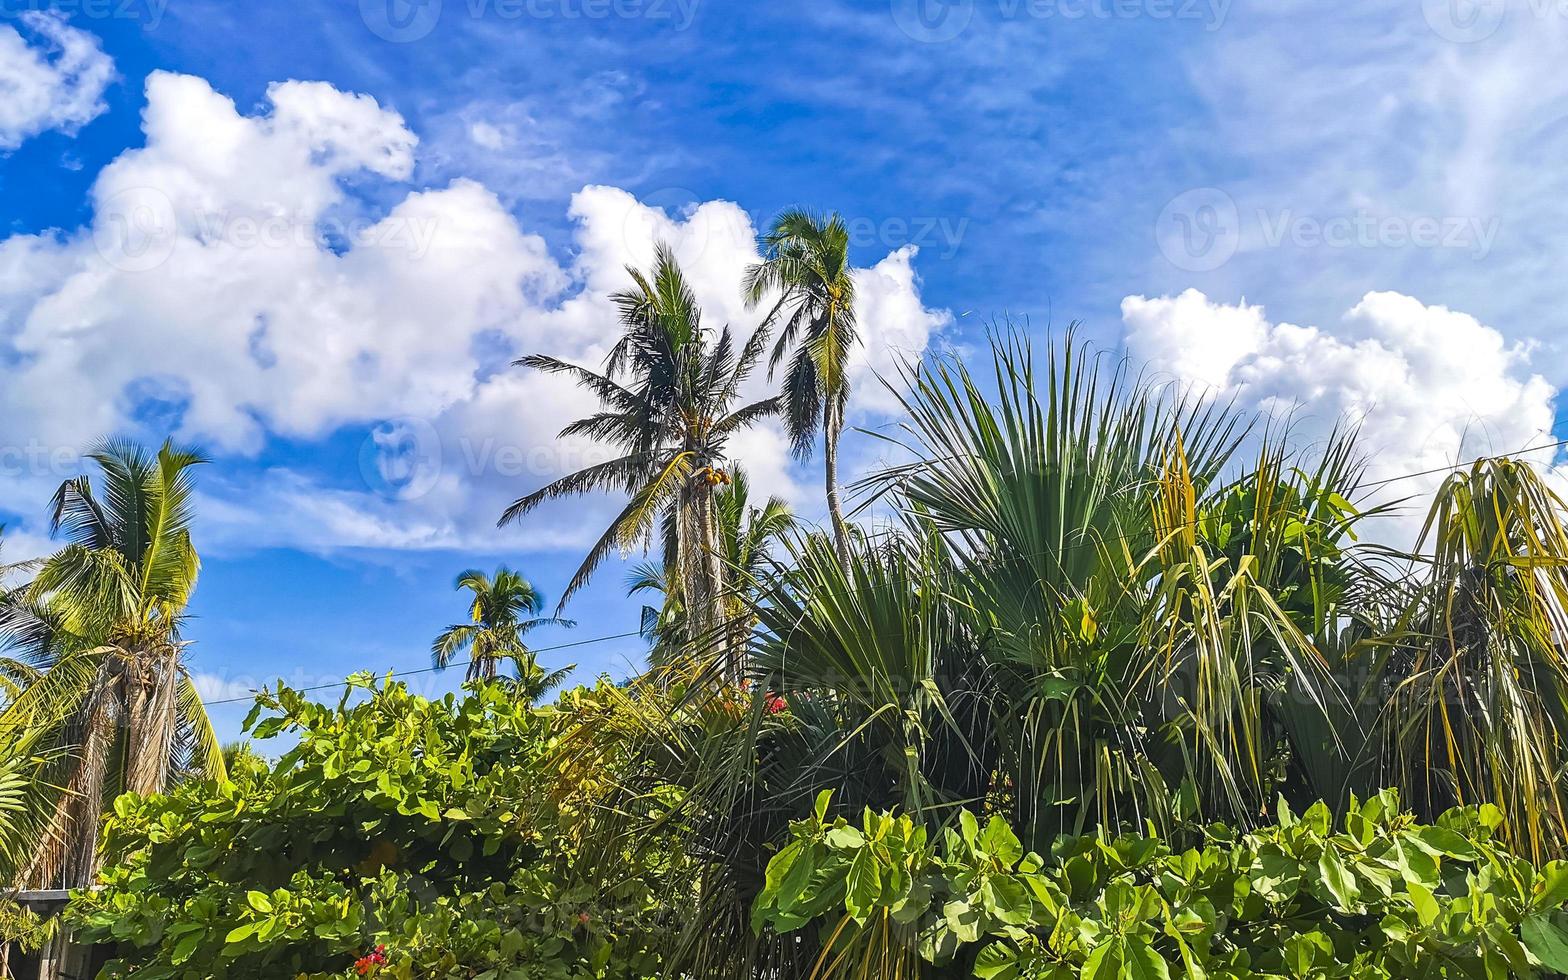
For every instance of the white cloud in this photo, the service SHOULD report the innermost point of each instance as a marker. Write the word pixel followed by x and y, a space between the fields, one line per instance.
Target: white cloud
pixel 56 83
pixel 231 286
pixel 1428 386
pixel 898 330
pixel 1389 114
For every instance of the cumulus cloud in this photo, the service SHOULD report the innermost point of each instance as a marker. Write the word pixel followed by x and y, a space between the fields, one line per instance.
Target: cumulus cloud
pixel 55 82
pixel 1428 386
pixel 234 288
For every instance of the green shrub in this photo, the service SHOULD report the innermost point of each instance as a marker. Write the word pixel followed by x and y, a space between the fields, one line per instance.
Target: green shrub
pixel 1382 896
pixel 400 837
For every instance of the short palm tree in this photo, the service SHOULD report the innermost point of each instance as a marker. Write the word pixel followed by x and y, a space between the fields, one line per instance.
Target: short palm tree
pixel 669 390
pixel 505 608
pixel 113 708
pixel 745 535
pixel 806 265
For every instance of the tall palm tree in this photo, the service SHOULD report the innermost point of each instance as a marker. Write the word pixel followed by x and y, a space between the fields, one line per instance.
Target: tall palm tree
pixel 806 263
pixel 505 608
pixel 668 389
pixel 746 533
pixel 113 708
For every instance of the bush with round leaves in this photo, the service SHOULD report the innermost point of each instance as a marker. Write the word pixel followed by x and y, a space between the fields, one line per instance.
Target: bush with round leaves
pixel 399 837
pixel 1380 895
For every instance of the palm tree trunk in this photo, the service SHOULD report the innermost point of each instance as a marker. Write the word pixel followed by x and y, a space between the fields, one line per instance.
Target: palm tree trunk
pixel 701 577
pixel 713 575
pixel 150 723
pixel 85 799
pixel 832 424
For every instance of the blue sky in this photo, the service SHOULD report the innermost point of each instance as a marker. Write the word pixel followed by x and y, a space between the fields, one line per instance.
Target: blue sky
pixel 1336 212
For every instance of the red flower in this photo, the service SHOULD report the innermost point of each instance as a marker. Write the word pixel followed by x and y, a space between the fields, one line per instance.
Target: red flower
pixel 368 963
pixel 774 703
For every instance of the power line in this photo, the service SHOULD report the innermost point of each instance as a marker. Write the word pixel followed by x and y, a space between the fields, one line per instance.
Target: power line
pixel 429 670
pixel 617 636
pixel 1066 547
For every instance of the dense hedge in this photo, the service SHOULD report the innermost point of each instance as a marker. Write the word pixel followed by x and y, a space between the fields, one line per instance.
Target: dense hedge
pixel 1382 896
pixel 401 837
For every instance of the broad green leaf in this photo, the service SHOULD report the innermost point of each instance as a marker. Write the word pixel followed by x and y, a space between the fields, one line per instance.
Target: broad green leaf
pixel 1551 886
pixel 999 841
pixel 1546 941
pixel 1425 904
pixel 863 884
pixel 1341 884
pixel 1441 841
pixel 997 961
pixel 241 933
pixel 1143 963
pixel 1106 961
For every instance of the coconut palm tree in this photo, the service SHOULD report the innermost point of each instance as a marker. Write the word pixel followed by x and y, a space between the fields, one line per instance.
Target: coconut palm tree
pixel 113 708
pixel 806 264
pixel 669 390
pixel 505 608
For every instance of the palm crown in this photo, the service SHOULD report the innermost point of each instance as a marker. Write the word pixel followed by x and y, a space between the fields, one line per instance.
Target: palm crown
pixel 505 608
pixel 806 265
pixel 112 707
pixel 668 390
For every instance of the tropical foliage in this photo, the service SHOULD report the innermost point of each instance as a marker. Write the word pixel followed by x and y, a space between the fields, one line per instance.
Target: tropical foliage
pixel 1100 596
pixel 399 836
pixel 111 707
pixel 669 389
pixel 1107 639
pixel 505 609
pixel 1379 896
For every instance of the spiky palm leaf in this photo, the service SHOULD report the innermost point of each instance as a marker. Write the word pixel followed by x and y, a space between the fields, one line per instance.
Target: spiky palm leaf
pixel 1475 673
pixel 669 390
pixel 112 707
pixel 806 268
